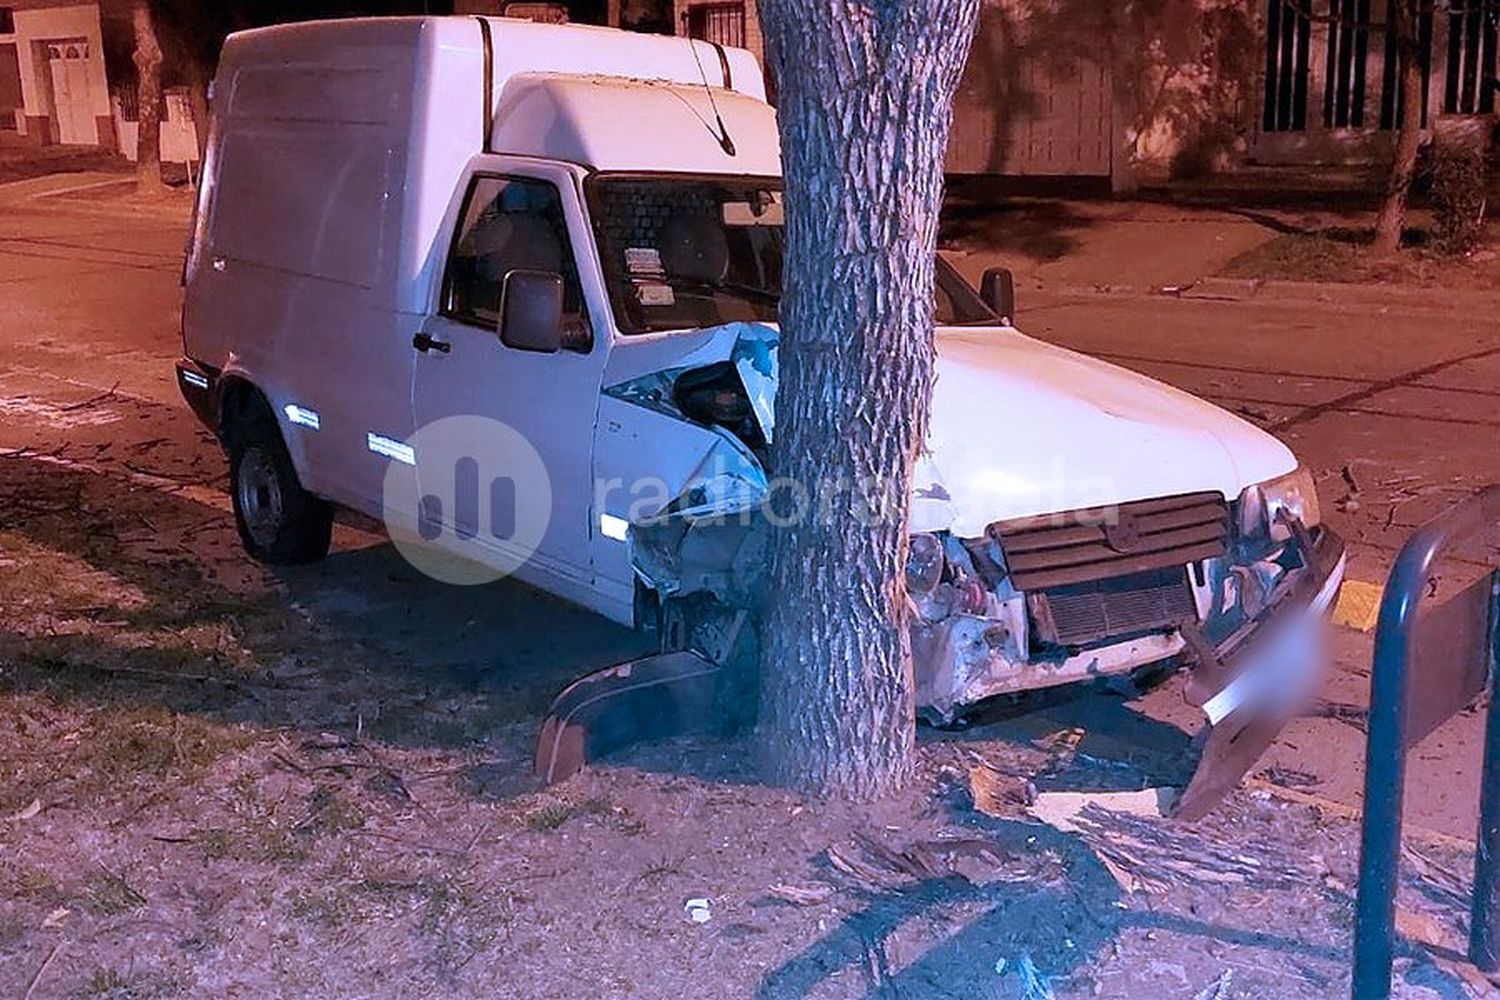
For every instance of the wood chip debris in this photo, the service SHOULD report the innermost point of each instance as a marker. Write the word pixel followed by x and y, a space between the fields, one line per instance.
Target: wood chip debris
pixel 995 793
pixel 1145 856
pixel 801 895
pixel 1061 809
pixel 876 867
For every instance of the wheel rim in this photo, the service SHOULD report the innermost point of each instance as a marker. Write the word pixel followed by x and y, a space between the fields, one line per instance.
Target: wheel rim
pixel 259 492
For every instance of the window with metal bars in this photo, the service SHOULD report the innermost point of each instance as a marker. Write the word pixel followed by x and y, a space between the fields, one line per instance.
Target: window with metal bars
pixel 1288 35
pixel 1470 85
pixel 1391 87
pixel 720 23
pixel 1344 71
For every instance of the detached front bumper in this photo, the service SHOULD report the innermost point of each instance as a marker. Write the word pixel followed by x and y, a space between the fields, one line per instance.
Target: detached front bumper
pixel 1250 670
pixel 1253 683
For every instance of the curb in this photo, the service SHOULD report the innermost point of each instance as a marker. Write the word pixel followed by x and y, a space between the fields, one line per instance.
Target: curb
pixel 1350 295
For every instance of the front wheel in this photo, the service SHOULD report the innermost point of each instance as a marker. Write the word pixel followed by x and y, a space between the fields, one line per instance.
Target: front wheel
pixel 279 521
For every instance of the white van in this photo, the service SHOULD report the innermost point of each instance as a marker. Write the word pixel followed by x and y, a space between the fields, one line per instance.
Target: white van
pixel 576 232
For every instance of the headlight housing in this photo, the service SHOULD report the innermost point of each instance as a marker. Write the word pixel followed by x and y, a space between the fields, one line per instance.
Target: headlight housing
pixel 1263 505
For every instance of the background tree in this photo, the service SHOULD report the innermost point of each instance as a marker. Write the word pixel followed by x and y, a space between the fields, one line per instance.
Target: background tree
pixel 148 61
pixel 866 92
pixel 1404 20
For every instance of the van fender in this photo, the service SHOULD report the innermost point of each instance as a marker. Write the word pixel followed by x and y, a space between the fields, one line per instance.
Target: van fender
pixel 238 379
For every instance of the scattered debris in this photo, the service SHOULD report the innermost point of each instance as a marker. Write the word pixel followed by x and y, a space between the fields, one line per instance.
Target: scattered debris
pixel 41 971
pixel 1291 777
pixel 1061 809
pixel 1035 985
pixel 1425 929
pixel 997 794
pixel 1218 989
pixel 698 909
pixel 874 867
pixel 1353 716
pixel 801 895
pixel 1349 502
pixel 1143 856
pixel 29 812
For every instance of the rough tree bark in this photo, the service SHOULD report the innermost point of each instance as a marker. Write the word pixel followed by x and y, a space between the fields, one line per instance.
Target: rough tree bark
pixel 147 60
pixel 866 92
pixel 1404 23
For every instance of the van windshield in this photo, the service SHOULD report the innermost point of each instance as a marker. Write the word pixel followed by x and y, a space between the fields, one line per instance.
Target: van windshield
pixel 690 252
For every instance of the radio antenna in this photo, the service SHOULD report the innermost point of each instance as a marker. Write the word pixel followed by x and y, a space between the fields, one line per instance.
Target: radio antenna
pixel 725 143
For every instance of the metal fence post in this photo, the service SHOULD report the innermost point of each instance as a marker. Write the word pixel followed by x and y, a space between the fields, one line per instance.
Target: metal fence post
pixel 1449 684
pixel 1484 924
pixel 1385 777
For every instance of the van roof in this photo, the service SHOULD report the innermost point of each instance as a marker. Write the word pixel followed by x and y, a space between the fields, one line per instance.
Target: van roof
pixel 518 46
pixel 609 123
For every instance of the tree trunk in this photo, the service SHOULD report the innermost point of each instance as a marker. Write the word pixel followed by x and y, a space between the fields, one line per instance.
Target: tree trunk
pixel 865 105
pixel 1410 66
pixel 148 100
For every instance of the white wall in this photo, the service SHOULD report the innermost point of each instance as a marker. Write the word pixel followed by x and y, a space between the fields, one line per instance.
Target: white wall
pixel 179 140
pixel 37 26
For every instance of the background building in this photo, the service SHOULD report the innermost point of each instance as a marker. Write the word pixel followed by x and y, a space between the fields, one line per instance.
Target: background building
pixel 53 85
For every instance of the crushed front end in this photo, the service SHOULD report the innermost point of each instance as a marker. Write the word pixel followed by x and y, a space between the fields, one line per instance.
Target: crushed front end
pixel 1064 597
pixel 1236 588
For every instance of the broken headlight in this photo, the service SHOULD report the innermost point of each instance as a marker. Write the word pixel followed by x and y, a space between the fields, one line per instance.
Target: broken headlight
pixel 1265 507
pixel 924 564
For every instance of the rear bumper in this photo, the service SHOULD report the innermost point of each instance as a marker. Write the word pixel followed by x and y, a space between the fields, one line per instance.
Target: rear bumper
pixel 199 385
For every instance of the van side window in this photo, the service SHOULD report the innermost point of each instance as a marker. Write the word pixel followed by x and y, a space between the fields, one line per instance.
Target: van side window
pixel 511 224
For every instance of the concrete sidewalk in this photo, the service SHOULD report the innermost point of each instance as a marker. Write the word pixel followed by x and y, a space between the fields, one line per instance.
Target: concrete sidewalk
pixel 96 192
pixel 1059 248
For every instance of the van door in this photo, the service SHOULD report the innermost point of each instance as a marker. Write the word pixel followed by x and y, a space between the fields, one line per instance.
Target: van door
pixel 527 219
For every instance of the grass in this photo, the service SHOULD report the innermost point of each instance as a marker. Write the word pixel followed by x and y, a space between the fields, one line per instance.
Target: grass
pixel 262 836
pixel 327 909
pixel 107 894
pixel 31 884
pixel 108 984
pixel 551 816
pixel 1341 255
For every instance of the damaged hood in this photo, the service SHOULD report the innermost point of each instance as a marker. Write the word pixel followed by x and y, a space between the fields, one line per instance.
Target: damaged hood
pixel 1018 427
pixel 1021 428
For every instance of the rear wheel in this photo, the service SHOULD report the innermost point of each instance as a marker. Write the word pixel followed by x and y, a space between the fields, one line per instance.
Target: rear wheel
pixel 279 521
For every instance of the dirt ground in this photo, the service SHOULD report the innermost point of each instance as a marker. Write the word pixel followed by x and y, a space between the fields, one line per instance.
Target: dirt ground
pixel 216 780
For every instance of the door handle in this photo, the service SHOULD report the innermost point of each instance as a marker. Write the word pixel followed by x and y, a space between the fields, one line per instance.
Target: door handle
pixel 424 343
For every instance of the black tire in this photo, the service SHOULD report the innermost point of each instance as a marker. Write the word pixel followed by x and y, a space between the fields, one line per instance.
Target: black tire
pixel 279 522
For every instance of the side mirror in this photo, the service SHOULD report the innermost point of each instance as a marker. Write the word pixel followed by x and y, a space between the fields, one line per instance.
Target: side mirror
pixel 531 311
pixel 998 290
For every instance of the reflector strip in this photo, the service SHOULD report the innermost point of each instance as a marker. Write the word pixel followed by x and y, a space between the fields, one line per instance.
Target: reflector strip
pixel 193 379
pixel 613 527
pixel 391 448
pixel 302 416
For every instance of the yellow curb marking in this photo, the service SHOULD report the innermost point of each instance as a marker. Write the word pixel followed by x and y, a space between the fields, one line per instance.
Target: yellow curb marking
pixel 1359 605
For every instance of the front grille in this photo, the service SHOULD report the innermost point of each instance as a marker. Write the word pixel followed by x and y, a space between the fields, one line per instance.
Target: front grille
pixel 1081 613
pixel 1058 550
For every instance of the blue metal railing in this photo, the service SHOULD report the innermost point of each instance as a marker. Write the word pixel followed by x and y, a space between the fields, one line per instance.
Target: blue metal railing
pixel 1451 646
